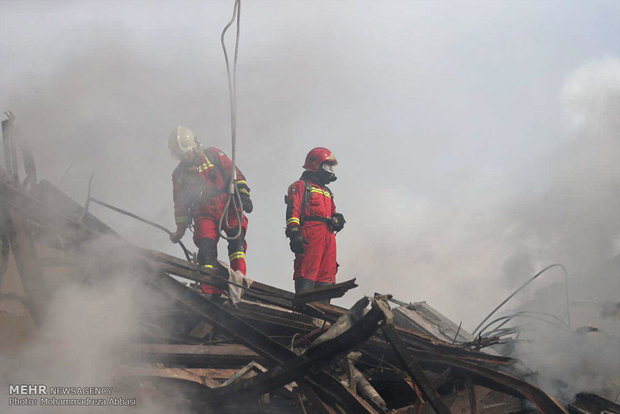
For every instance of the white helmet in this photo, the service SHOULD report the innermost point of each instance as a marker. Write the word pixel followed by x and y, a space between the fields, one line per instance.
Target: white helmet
pixel 181 141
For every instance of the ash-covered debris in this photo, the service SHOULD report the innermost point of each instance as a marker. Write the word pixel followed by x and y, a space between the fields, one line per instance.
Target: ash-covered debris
pixel 86 307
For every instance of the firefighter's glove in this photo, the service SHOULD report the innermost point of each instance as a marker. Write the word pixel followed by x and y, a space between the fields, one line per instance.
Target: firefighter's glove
pixel 244 193
pixel 338 222
pixel 297 240
pixel 246 203
pixel 178 235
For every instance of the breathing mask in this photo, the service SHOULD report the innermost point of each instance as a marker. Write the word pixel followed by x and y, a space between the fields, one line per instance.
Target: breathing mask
pixel 326 173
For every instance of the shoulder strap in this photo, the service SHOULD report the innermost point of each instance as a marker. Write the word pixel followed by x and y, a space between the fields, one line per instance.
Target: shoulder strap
pixel 307 191
pixel 213 157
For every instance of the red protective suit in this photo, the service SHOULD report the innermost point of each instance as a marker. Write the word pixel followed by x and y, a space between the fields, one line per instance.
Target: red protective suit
pixel 200 191
pixel 311 209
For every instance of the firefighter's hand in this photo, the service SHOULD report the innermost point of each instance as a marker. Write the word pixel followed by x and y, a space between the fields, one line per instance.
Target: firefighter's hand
pixel 338 222
pixel 244 192
pixel 297 240
pixel 177 235
pixel 246 203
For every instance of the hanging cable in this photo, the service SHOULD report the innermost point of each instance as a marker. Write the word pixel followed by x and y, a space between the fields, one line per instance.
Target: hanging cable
pixel 553 320
pixel 524 285
pixel 234 197
pixel 188 255
pixel 533 320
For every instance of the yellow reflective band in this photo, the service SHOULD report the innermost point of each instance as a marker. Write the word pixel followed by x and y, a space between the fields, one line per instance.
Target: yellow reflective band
pixel 237 255
pixel 320 191
pixel 242 182
pixel 244 191
pixel 292 220
pixel 207 266
pixel 181 219
pixel 204 167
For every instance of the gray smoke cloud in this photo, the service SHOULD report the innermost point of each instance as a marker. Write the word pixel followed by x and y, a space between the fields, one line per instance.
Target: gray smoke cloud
pixel 581 224
pixel 439 129
pixel 85 337
pixel 476 141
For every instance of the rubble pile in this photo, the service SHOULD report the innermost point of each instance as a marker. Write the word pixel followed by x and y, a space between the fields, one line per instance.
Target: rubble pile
pixel 263 349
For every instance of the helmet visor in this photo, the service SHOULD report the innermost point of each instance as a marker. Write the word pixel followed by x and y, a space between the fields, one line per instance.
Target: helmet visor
pixel 329 167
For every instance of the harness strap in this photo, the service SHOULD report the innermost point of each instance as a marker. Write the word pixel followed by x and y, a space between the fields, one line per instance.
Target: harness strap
pixel 213 160
pixel 305 215
pixel 308 189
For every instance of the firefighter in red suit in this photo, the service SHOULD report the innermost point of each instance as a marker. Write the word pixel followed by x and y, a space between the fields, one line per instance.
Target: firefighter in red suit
pixel 200 190
pixel 312 221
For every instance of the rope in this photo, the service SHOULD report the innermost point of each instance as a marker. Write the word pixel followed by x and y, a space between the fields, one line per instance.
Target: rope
pixel 233 190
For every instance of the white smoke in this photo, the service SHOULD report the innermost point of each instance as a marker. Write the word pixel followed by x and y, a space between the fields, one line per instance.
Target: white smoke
pixel 585 231
pixel 455 175
pixel 85 336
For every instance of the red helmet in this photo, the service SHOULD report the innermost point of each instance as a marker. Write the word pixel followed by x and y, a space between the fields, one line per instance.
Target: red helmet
pixel 318 156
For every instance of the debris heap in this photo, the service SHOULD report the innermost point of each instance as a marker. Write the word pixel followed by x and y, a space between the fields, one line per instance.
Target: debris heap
pixel 270 351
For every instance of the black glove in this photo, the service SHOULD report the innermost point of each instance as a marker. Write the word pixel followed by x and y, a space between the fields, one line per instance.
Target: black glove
pixel 246 203
pixel 297 240
pixel 338 222
pixel 244 193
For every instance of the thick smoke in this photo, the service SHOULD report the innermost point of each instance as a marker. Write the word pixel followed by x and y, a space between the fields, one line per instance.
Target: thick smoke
pixel 86 334
pixel 560 208
pixel 567 213
pixel 459 174
pixel 445 138
pixel 581 224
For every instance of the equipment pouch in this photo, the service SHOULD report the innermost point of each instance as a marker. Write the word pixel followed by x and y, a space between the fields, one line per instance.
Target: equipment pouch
pixel 337 222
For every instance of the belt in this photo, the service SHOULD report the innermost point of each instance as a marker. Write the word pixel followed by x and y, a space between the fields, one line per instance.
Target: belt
pixel 326 220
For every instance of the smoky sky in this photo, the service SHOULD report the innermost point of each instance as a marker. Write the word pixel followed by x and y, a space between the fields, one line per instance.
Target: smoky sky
pixel 473 144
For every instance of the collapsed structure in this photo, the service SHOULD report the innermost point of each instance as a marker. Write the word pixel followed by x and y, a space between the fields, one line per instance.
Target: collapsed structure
pixel 266 350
